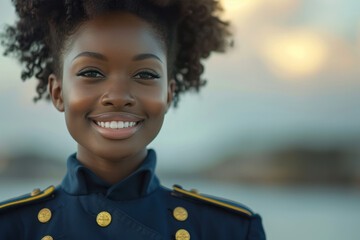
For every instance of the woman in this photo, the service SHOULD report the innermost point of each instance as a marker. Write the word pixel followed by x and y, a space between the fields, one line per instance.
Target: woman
pixel 114 68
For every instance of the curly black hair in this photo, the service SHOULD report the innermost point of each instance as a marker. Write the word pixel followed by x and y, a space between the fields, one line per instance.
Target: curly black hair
pixel 191 30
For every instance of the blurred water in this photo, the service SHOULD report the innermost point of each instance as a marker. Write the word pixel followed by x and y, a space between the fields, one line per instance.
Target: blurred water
pixel 294 213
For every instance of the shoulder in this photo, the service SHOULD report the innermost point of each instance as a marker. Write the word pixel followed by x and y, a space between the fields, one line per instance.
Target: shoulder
pixel 34 197
pixel 209 200
pixel 17 213
pixel 236 219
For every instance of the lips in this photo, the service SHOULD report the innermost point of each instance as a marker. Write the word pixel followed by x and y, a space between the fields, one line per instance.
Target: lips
pixel 116 116
pixel 116 125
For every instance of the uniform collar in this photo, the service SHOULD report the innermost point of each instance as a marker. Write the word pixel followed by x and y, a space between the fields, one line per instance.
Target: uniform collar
pixel 80 180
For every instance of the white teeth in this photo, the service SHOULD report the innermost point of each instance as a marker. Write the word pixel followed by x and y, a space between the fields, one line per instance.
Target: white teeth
pixel 116 125
pixel 113 124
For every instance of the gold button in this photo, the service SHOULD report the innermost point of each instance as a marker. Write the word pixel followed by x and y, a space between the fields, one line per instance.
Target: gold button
pixel 180 214
pixel 194 191
pixel 44 215
pixel 182 234
pixel 47 238
pixel 35 192
pixel 103 219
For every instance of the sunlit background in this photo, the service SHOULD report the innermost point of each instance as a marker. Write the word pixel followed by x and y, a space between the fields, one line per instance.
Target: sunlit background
pixel 276 128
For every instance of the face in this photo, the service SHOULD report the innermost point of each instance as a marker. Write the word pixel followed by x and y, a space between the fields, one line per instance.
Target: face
pixel 114 88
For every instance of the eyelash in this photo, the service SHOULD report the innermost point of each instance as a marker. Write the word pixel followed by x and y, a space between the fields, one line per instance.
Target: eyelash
pixel 84 74
pixel 149 74
pixel 152 75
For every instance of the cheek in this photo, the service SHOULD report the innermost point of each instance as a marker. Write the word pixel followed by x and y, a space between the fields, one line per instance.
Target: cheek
pixel 156 107
pixel 77 102
pixel 154 101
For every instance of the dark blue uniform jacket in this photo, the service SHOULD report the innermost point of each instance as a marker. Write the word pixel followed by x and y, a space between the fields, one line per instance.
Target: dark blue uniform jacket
pixel 138 207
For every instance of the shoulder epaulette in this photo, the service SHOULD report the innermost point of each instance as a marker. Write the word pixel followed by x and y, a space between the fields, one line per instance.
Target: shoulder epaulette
pixel 35 196
pixel 194 194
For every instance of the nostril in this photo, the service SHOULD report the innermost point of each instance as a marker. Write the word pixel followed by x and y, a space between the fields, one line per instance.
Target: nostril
pixel 118 99
pixel 118 103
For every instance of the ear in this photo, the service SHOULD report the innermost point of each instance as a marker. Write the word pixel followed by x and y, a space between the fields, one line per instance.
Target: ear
pixel 170 93
pixel 55 92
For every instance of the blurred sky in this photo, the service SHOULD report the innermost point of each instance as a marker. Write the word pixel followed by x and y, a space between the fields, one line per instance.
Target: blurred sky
pixel 292 78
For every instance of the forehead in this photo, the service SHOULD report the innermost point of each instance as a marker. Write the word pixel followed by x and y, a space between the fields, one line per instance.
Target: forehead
pixel 118 32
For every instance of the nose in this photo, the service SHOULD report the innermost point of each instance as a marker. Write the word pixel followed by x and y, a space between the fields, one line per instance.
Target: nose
pixel 118 94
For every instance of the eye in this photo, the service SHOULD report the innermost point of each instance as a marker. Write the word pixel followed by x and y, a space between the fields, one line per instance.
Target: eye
pixel 146 75
pixel 90 74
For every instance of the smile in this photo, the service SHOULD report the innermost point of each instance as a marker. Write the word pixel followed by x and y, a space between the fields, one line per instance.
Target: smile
pixel 116 124
pixel 116 130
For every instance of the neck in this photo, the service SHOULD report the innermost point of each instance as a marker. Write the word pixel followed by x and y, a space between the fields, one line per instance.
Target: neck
pixel 111 170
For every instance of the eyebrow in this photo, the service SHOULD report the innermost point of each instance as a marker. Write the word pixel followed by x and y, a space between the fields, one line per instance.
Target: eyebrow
pixel 146 56
pixel 91 54
pixel 104 58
